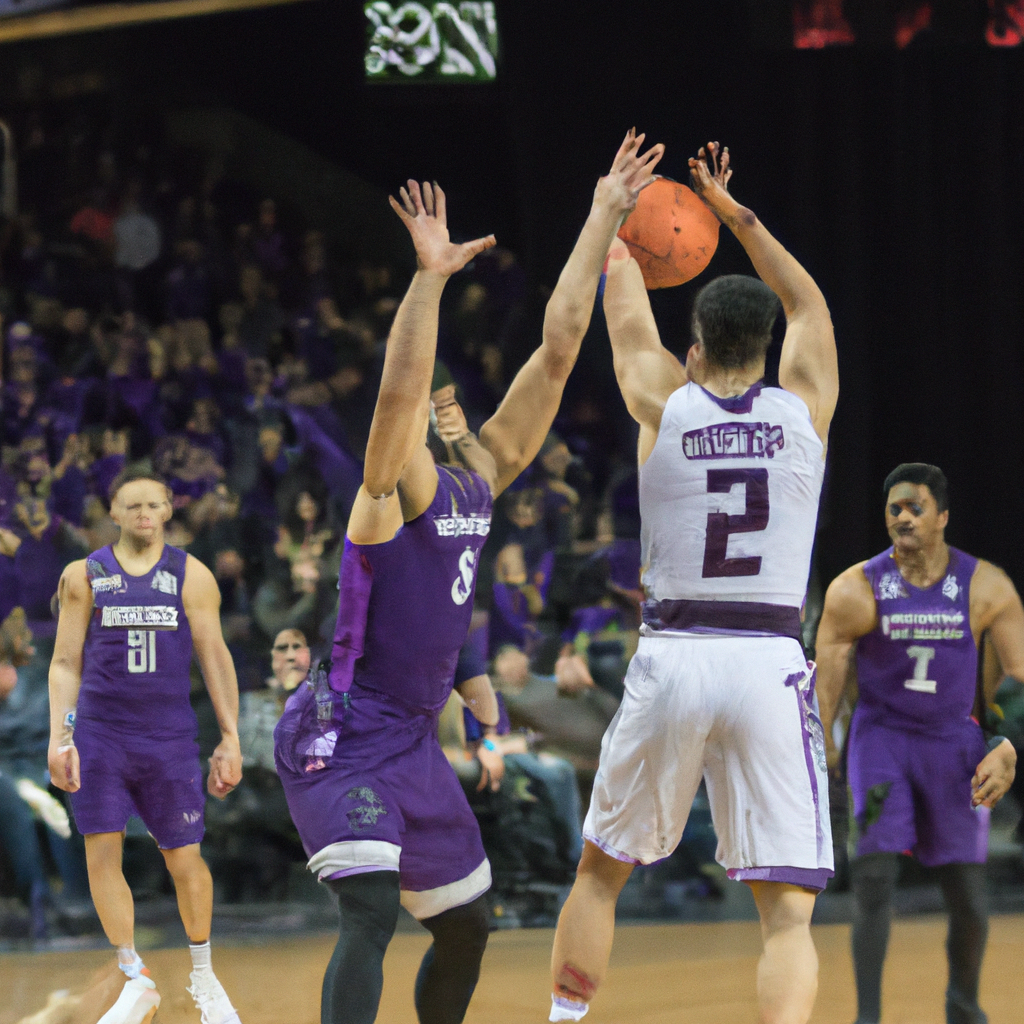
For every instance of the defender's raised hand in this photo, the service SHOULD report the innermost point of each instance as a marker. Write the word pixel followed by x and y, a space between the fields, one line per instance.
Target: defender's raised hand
pixel 424 213
pixel 631 172
pixel 709 176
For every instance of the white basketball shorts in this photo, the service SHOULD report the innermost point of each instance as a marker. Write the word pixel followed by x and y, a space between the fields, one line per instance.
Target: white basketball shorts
pixel 742 713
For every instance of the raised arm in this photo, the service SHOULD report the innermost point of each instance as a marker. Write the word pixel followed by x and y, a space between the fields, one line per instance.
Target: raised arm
pixel 808 366
pixel 201 597
pixel 647 373
pixel 74 596
pixel 849 613
pixel 514 434
pixel 395 450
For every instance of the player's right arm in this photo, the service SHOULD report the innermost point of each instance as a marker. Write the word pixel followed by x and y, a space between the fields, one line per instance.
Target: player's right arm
pixel 848 614
pixel 75 599
pixel 808 367
pixel 395 450
pixel 647 373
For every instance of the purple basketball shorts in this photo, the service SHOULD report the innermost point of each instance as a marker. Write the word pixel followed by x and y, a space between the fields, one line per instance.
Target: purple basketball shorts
pixel 912 793
pixel 160 780
pixel 386 798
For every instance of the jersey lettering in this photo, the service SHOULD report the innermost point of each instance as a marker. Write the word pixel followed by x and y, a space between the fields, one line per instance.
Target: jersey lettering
pixel 921 656
pixel 463 585
pixel 721 526
pixel 141 650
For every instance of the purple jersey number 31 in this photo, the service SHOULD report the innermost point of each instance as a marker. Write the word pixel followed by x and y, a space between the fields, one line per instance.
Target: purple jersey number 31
pixel 721 525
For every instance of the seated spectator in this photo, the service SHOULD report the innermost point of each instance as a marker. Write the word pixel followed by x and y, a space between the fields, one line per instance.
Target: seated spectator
pixel 566 710
pixel 251 837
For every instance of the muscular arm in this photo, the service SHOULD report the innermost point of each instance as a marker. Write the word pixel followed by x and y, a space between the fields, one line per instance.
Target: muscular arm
pixel 647 373
pixel 75 597
pixel 514 434
pixel 996 609
pixel 201 598
pixel 808 366
pixel 397 432
pixel 848 614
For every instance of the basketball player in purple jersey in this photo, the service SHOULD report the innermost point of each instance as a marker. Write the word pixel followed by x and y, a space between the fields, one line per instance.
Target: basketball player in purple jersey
pixel 730 474
pixel 907 626
pixel 380 811
pixel 123 734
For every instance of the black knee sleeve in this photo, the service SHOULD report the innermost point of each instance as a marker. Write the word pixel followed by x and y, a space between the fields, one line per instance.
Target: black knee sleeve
pixel 368 908
pixel 966 893
pixel 873 878
pixel 451 967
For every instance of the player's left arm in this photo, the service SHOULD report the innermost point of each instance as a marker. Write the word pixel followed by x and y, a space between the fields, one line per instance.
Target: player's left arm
pixel 201 597
pixel 514 434
pixel 996 609
pixel 808 366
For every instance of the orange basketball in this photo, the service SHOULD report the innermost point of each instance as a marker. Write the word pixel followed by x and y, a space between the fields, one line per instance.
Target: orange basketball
pixel 671 234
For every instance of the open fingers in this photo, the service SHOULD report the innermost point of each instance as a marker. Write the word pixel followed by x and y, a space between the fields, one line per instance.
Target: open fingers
pixel 478 245
pixel 416 196
pixel 440 204
pixel 407 202
pixel 399 208
pixel 628 145
pixel 428 198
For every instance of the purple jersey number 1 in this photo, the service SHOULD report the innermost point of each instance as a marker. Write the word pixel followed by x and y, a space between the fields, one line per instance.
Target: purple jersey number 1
pixel 721 525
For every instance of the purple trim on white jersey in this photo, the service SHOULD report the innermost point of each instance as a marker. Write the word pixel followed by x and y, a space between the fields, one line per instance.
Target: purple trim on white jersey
pixel 724 616
pixel 810 729
pixel 737 403
pixel 808 878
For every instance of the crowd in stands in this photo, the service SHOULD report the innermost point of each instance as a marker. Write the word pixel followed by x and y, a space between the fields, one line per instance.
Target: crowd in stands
pixel 154 309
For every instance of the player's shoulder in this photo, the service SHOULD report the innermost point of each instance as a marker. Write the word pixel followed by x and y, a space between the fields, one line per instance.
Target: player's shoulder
pixel 197 575
pixel 990 582
pixel 851 586
pixel 74 582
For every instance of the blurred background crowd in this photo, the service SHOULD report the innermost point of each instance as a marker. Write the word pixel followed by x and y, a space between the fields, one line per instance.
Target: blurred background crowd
pixel 156 310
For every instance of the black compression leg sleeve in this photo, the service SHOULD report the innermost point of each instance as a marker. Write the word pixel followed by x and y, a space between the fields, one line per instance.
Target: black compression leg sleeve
pixel 368 905
pixel 963 886
pixel 449 971
pixel 874 878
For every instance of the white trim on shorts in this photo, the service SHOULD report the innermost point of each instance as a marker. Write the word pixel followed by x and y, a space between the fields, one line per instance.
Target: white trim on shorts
pixel 354 857
pixel 430 902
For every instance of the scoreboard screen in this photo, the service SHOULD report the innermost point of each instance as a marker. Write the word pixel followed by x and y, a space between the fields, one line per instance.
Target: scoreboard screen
pixel 431 42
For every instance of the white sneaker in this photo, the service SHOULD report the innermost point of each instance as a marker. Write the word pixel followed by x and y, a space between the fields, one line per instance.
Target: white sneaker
pixel 138 998
pixel 210 998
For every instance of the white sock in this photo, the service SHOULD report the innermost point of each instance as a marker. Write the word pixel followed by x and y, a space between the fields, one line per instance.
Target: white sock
pixel 129 961
pixel 567 1009
pixel 200 952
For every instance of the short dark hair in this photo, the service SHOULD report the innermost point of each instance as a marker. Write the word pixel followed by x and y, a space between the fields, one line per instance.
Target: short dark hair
pixel 129 475
pixel 920 473
pixel 733 316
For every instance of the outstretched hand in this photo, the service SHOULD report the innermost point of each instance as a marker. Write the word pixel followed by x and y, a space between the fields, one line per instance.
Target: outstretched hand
pixel 710 173
pixel 631 172
pixel 424 213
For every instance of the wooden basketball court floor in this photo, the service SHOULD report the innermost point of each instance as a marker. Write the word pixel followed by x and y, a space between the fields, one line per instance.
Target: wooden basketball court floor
pixel 699 973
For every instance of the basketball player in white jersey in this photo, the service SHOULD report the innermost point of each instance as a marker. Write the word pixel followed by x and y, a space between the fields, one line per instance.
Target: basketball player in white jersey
pixel 730 475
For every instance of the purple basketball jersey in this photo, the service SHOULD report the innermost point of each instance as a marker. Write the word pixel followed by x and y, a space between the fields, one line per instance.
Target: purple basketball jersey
pixel 406 604
pixel 918 668
pixel 138 650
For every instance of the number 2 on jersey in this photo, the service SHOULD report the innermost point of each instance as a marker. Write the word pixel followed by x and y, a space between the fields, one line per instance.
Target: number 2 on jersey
pixel 721 526
pixel 141 650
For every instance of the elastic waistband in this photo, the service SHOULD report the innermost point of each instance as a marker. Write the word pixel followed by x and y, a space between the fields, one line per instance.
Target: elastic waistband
pixel 724 617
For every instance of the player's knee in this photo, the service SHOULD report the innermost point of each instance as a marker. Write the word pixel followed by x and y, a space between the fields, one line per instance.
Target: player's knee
pixel 461 930
pixel 873 878
pixel 368 905
pixel 603 875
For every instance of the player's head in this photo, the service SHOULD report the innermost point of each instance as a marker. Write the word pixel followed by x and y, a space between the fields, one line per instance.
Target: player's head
pixel 733 318
pixel 916 505
pixel 140 503
pixel 289 658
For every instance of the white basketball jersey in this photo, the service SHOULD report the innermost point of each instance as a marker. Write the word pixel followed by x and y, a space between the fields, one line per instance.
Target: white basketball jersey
pixel 729 498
